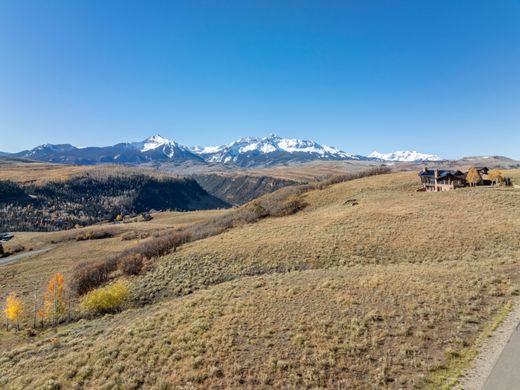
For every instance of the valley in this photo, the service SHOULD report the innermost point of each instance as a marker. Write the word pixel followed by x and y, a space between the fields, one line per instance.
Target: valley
pixel 93 196
pixel 257 195
pixel 369 284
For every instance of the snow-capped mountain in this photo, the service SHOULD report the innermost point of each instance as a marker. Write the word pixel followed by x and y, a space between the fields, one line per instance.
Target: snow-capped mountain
pixel 159 147
pixel 152 149
pixel 408 156
pixel 245 152
pixel 270 150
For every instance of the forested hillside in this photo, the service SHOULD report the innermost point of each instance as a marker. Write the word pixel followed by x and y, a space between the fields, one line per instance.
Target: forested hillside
pixel 96 196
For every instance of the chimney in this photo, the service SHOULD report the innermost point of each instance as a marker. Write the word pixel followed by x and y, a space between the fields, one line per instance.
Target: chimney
pixel 425 169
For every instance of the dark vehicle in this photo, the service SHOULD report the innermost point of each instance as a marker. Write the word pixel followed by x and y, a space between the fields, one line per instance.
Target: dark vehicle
pixel 6 236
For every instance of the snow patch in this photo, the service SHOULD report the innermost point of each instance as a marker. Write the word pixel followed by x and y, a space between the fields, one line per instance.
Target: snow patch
pixel 154 142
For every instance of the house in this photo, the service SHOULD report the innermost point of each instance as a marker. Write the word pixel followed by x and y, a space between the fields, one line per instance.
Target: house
pixel 435 180
pixel 484 180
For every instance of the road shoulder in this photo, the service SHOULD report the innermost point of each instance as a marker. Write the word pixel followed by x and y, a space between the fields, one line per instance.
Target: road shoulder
pixel 475 376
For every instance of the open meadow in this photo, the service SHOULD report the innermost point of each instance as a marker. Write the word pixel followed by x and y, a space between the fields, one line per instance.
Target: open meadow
pixel 371 285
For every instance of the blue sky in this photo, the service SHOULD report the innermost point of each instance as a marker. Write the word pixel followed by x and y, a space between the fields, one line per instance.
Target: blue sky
pixel 437 76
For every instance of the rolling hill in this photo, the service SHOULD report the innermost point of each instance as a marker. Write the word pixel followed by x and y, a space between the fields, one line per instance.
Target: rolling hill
pixel 371 285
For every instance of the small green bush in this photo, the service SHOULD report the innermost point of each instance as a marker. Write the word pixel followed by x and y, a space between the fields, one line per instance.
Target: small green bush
pixel 106 299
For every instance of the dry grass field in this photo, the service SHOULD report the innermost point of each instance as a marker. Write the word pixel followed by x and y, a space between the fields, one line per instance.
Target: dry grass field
pixel 373 285
pixel 346 327
pixel 375 220
pixel 30 274
pixel 41 172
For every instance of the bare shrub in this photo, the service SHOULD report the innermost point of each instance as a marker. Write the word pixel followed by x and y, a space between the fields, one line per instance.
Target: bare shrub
pixel 291 206
pixel 87 276
pixel 94 235
pixel 162 244
pixel 135 235
pixel 131 264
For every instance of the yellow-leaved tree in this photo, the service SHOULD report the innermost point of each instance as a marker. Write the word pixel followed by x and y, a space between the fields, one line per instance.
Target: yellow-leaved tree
pixel 473 177
pixel 13 310
pixel 496 176
pixel 54 305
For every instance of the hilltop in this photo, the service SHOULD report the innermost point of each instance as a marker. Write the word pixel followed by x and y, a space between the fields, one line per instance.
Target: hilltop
pixel 371 284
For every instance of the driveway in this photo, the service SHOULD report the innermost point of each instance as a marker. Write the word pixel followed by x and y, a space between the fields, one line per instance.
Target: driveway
pixel 506 373
pixel 15 258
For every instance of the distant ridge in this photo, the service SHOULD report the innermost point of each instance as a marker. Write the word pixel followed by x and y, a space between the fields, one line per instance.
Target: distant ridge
pixel 248 152
pixel 271 150
pixel 152 149
pixel 245 152
pixel 408 156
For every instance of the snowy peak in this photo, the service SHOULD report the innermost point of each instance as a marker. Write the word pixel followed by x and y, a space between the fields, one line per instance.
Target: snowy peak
pixel 152 149
pixel 408 156
pixel 245 152
pixel 155 142
pixel 159 145
pixel 269 150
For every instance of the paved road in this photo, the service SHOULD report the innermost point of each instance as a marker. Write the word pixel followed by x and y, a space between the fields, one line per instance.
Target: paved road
pixel 12 259
pixel 506 373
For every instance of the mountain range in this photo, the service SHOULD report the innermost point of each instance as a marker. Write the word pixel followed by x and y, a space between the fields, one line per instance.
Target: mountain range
pixel 245 152
pixel 409 156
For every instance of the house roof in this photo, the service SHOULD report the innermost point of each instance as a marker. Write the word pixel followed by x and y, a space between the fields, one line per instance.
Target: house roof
pixel 442 173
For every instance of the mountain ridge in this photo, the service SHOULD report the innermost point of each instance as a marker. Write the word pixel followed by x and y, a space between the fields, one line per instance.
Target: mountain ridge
pixel 245 152
pixel 405 156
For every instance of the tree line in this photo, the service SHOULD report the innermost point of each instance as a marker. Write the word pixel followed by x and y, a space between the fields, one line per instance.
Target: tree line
pixel 87 199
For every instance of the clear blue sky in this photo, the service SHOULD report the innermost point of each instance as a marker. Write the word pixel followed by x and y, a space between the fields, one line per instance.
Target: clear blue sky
pixel 437 76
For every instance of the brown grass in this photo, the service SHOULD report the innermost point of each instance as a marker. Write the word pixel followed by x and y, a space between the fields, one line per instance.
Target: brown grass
pixel 391 223
pixel 31 274
pixel 40 172
pixel 353 327
pixel 372 285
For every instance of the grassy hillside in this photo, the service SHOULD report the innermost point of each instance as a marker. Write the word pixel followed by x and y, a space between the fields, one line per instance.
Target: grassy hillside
pixel 360 327
pixel 32 273
pixel 375 220
pixel 373 285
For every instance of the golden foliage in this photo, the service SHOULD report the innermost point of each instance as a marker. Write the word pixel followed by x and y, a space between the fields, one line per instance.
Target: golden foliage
pixel 473 176
pixel 13 307
pixel 54 300
pixel 496 176
pixel 106 299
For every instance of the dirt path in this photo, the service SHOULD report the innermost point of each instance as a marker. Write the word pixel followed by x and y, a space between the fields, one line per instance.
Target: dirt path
pixel 492 368
pixel 12 259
